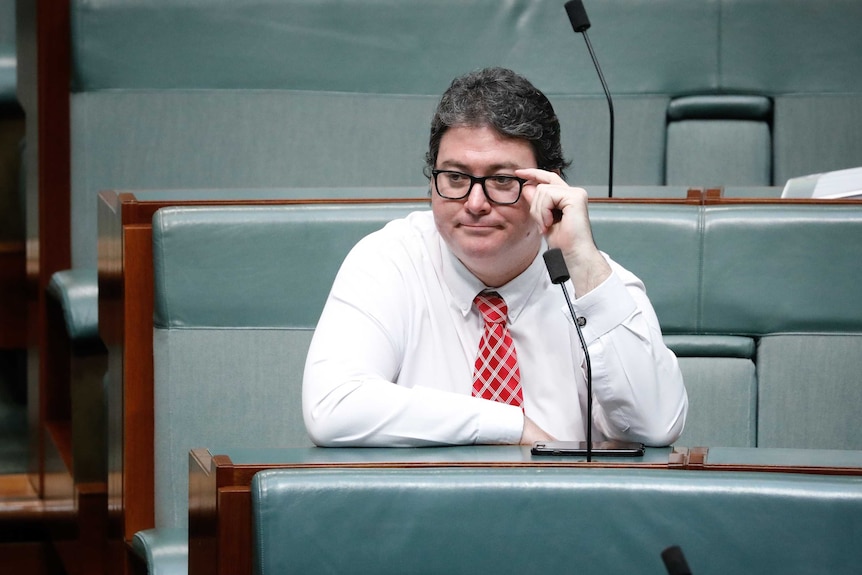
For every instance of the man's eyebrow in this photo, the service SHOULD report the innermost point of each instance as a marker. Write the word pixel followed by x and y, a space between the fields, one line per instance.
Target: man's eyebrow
pixel 493 168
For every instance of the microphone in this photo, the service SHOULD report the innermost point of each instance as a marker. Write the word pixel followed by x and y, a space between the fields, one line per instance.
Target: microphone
pixel 674 561
pixel 559 273
pixel 580 22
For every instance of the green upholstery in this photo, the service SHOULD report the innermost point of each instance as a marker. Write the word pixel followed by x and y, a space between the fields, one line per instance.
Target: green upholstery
pixel 817 133
pixel 77 293
pixel 719 140
pixel 723 399
pixel 237 295
pixel 781 269
pixel 239 139
pixel 810 390
pixel 163 551
pixel 591 521
pixel 331 46
pixel 213 94
pixel 790 46
pixel 661 244
pixel 720 107
pixel 724 279
pixel 719 153
pixel 282 261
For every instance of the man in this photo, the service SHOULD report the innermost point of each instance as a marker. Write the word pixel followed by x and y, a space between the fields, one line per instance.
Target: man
pixel 403 354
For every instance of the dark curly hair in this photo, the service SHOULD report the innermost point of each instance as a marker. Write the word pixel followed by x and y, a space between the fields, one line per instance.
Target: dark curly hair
pixel 506 101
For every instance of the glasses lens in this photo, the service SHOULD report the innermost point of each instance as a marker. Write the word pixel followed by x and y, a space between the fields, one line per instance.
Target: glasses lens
pixel 503 189
pixel 453 185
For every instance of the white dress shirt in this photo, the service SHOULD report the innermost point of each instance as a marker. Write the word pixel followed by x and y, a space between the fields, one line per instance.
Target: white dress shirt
pixel 391 361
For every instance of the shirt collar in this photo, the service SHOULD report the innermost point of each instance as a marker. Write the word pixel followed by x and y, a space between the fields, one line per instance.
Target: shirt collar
pixel 464 286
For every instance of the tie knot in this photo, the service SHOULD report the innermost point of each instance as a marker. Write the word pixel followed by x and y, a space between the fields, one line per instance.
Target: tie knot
pixel 492 306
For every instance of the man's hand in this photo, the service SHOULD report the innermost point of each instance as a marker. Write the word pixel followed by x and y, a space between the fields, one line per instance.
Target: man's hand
pixel 533 433
pixel 562 215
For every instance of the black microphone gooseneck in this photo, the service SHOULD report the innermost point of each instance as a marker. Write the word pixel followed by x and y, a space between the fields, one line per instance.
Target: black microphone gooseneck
pixel 559 273
pixel 580 22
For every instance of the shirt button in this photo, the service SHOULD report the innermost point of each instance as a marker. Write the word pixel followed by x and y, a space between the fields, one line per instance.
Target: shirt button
pixel 582 321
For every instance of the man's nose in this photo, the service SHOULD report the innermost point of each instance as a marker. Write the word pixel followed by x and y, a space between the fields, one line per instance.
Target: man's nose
pixel 476 200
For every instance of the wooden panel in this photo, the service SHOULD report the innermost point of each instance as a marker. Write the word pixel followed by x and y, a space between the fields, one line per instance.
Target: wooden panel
pixel 234 531
pixel 138 461
pixel 203 514
pixel 110 266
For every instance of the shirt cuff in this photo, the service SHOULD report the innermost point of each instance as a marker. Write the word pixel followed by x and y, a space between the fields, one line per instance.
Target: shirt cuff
pixel 604 308
pixel 500 423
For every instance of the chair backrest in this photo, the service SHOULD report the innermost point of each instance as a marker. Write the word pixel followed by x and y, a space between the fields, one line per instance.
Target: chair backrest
pixel 237 295
pixel 564 520
pixel 759 303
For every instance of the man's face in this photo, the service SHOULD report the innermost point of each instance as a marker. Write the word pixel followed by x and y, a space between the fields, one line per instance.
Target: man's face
pixel 495 242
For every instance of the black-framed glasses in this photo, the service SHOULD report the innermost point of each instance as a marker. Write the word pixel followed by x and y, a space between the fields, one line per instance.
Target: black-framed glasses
pixel 498 188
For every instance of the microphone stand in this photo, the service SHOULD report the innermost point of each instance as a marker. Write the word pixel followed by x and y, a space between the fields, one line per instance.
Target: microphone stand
pixel 559 275
pixel 580 23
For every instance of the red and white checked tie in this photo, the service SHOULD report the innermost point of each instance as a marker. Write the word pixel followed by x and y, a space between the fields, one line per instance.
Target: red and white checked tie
pixel 496 376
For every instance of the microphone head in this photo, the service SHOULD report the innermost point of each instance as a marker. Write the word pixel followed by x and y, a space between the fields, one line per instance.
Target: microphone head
pixel 674 561
pixel 556 265
pixel 577 15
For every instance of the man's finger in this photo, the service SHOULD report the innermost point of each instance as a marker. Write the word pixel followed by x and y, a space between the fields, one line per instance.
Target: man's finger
pixel 539 176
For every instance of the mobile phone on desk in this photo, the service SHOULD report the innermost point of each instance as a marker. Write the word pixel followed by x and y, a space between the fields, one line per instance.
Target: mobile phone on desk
pixel 599 449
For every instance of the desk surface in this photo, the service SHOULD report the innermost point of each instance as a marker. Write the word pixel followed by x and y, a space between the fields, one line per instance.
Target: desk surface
pixel 514 455
pixel 479 455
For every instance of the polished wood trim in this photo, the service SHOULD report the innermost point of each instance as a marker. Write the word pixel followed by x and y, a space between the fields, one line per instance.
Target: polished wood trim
pixel 137 426
pixel 92 527
pixel 693 196
pixel 16 487
pixel 697 459
pixel 725 201
pixel 234 551
pixel 203 513
pixel 49 247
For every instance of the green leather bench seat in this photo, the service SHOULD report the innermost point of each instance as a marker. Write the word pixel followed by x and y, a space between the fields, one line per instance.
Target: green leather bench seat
pixel 238 292
pixel 761 298
pixel 663 245
pixel 76 293
pixel 237 295
pixel 591 521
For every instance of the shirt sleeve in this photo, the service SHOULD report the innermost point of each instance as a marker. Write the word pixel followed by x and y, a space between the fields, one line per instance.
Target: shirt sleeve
pixel 638 388
pixel 350 394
